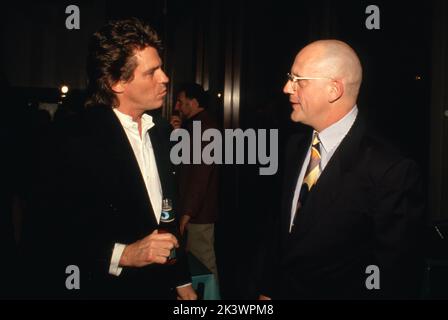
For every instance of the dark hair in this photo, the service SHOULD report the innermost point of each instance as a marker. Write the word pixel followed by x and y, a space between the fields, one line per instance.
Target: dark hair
pixel 111 57
pixel 195 91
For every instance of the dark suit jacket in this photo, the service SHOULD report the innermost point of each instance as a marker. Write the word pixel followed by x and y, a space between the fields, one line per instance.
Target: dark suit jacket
pixel 366 209
pixel 96 198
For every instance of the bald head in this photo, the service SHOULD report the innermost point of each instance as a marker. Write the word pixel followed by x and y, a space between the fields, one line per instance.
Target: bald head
pixel 324 83
pixel 333 59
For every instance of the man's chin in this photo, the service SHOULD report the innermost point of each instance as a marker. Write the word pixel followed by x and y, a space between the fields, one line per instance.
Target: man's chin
pixel 296 117
pixel 153 107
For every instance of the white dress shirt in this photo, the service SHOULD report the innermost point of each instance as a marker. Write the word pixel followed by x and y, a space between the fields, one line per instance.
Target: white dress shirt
pixel 330 139
pixel 144 153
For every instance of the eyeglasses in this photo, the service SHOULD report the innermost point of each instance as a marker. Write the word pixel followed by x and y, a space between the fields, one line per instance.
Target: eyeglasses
pixel 295 79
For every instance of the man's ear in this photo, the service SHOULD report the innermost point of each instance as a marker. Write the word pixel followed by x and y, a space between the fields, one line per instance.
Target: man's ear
pixel 194 103
pixel 335 90
pixel 118 87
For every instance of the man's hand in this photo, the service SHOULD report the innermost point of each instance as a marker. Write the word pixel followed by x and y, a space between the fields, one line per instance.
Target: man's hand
pixel 262 297
pixel 175 122
pixel 155 248
pixel 186 293
pixel 183 223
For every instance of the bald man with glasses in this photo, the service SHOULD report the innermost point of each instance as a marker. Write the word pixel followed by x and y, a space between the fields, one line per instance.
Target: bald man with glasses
pixel 352 207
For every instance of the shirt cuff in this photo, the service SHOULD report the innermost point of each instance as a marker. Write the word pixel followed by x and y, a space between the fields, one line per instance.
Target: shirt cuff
pixel 114 268
pixel 184 285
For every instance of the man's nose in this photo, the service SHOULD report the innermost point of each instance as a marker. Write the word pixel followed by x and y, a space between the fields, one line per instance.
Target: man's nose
pixel 177 106
pixel 164 78
pixel 287 89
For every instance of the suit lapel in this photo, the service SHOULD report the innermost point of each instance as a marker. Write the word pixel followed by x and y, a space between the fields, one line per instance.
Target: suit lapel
pixel 161 153
pixel 124 166
pixel 296 153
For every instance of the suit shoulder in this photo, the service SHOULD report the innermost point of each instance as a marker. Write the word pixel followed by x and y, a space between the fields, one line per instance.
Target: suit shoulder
pixel 70 127
pixel 383 156
pixel 211 121
pixel 79 128
pixel 208 121
pixel 380 148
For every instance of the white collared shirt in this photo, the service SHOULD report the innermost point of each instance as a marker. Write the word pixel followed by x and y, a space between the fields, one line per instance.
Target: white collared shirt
pixel 144 153
pixel 330 139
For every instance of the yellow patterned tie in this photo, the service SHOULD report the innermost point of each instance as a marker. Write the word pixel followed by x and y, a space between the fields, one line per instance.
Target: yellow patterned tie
pixel 313 170
pixel 312 174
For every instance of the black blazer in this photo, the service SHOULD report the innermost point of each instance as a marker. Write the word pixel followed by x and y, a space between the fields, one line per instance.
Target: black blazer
pixel 93 195
pixel 366 209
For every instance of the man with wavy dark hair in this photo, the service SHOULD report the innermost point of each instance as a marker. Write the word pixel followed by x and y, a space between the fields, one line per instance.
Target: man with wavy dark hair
pixel 112 57
pixel 113 171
